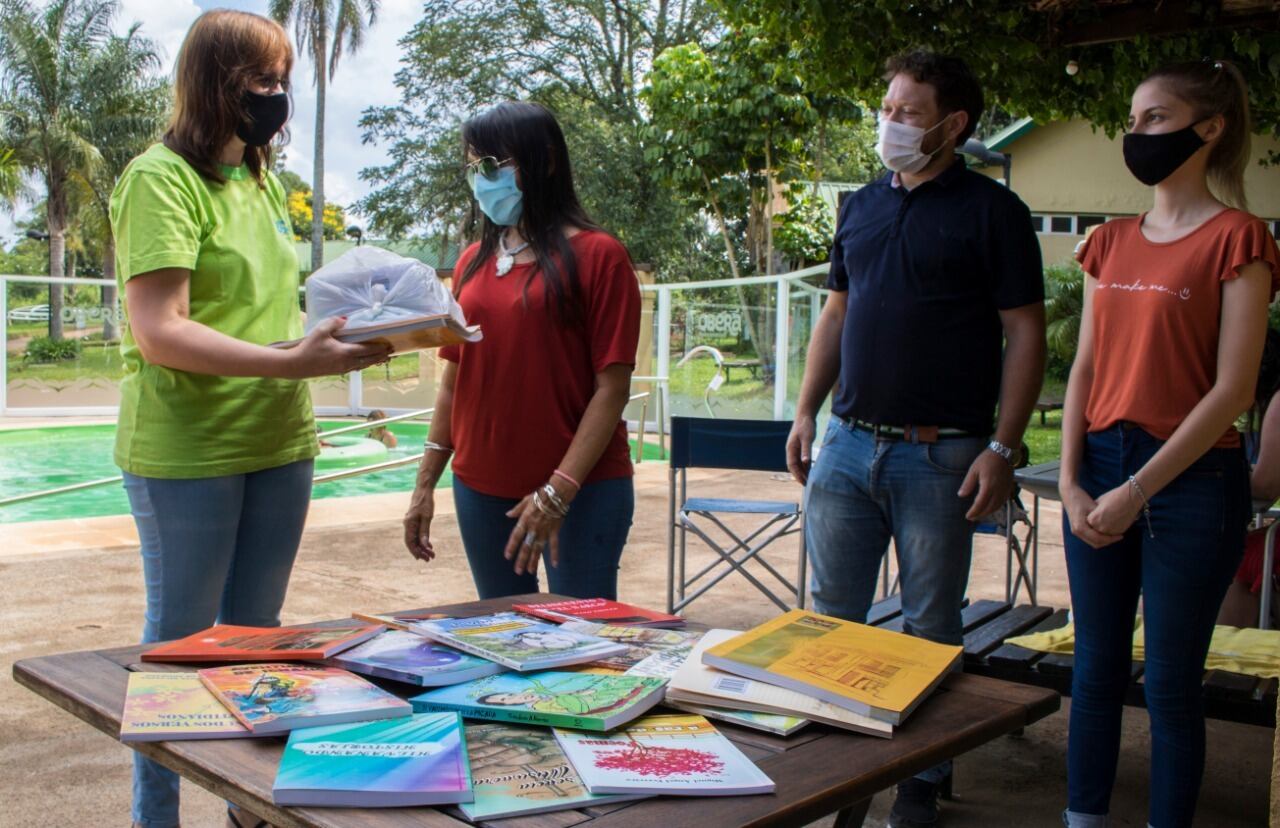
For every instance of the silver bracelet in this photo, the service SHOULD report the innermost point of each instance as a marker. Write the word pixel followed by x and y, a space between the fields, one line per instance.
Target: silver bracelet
pixel 430 446
pixel 549 503
pixel 1146 504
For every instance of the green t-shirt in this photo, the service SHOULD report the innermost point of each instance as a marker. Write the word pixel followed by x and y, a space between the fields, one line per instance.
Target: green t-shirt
pixel 236 240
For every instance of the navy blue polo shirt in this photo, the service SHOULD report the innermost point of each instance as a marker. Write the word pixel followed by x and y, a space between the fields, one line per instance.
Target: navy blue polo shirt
pixel 927 271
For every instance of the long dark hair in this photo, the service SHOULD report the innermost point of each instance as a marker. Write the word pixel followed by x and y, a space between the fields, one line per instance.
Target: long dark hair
pixel 528 134
pixel 1217 88
pixel 222 55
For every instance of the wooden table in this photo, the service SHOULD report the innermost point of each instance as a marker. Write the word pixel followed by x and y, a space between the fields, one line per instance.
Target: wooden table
pixel 818 771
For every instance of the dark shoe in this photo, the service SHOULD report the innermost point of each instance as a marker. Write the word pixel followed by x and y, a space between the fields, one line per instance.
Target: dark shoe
pixel 240 818
pixel 916 805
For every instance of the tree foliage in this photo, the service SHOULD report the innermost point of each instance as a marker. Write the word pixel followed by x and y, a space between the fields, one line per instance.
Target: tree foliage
pixel 1015 50
pixel 584 59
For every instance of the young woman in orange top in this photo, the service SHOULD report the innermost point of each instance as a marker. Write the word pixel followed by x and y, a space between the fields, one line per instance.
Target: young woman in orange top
pixel 1154 482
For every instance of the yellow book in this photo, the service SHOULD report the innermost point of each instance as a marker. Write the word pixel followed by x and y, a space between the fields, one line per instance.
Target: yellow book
pixel 871 671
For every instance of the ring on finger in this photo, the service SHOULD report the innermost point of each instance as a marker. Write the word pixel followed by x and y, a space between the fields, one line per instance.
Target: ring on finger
pixel 531 540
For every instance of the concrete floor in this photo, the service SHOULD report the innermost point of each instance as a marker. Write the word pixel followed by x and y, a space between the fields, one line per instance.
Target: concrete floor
pixel 79 587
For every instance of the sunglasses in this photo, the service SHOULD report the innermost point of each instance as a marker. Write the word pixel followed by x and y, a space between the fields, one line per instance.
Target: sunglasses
pixel 486 167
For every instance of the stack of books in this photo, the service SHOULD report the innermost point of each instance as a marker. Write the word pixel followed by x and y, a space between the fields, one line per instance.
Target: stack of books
pixel 515 713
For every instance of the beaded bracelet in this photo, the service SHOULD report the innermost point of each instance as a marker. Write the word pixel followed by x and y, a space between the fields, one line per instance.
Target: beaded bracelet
pixel 562 475
pixel 1146 505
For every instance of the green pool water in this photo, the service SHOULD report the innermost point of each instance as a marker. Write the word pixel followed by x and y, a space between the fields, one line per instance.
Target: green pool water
pixel 36 459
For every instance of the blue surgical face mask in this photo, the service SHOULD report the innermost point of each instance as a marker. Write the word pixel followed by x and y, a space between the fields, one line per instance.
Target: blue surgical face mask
pixel 499 197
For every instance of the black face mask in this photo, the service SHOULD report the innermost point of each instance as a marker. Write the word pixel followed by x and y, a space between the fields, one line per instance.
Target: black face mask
pixel 1153 158
pixel 267 115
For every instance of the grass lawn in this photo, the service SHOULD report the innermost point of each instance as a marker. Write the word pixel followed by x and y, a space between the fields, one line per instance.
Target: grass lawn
pixel 1044 442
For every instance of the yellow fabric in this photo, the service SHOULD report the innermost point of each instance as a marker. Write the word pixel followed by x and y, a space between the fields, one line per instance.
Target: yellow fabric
pixel 1233 649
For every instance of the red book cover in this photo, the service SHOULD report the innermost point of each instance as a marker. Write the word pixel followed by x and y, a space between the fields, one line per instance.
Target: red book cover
pixel 224 642
pixel 601 611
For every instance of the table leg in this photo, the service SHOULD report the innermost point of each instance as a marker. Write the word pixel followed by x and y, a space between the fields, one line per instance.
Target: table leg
pixel 852 816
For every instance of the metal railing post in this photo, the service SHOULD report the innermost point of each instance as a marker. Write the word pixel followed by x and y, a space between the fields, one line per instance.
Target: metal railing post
pixel 781 337
pixel 662 340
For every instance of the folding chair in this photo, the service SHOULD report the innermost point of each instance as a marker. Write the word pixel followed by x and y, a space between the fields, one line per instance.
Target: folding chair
pixel 749 445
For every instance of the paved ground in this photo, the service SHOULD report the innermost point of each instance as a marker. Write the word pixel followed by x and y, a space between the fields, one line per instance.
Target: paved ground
pixel 82 590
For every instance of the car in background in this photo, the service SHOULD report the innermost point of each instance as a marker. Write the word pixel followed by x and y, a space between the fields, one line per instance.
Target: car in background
pixel 30 313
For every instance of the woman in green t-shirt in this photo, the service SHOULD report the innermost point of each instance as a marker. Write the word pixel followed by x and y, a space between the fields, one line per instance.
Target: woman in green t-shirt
pixel 216 436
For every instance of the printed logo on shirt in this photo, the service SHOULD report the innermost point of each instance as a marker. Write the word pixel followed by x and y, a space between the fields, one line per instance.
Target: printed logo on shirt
pixel 1138 286
pixel 282 226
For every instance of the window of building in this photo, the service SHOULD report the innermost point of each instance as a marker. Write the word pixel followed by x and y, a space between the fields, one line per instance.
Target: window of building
pixel 1083 223
pixel 1037 221
pixel 1275 228
pixel 1062 224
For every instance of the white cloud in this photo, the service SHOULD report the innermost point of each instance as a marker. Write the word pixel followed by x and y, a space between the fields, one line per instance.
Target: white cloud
pixel 164 21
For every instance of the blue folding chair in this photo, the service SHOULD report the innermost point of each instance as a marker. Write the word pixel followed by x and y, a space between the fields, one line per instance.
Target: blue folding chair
pixel 749 445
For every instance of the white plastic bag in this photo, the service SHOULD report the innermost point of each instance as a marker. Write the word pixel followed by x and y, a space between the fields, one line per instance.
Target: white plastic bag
pixel 371 286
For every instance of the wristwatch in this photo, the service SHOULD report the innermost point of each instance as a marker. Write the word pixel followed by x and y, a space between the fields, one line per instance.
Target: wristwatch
pixel 1010 455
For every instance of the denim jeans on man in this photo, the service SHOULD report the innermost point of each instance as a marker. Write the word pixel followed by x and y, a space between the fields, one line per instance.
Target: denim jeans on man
pixel 1182 573
pixel 591 541
pixel 862 491
pixel 213 549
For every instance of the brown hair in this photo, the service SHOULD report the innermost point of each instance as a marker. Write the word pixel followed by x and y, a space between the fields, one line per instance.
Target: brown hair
pixel 955 87
pixel 1216 87
pixel 223 53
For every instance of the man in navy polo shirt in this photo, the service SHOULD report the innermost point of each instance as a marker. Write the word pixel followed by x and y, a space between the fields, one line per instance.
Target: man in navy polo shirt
pixel 936 315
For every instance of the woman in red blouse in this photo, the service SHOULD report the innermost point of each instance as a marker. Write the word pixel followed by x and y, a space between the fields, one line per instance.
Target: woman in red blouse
pixel 532 414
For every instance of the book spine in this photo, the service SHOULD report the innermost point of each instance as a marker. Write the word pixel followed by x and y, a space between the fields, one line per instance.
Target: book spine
pixel 511 715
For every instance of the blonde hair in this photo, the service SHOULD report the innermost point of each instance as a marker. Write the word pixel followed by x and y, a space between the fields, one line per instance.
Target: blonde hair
pixel 1216 87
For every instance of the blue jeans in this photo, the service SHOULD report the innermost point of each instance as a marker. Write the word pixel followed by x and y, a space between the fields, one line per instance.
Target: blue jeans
pixel 863 491
pixel 591 541
pixel 215 549
pixel 1182 573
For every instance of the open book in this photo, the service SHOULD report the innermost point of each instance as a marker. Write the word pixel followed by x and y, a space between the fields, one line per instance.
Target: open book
pixel 417 333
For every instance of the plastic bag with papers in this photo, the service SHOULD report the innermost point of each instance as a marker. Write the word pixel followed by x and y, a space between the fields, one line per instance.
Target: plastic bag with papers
pixel 386 296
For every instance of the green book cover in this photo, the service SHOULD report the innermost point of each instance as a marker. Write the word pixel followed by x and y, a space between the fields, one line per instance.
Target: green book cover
pixel 581 701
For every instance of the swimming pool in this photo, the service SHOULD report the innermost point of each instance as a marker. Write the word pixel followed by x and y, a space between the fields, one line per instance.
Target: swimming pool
pixel 36 459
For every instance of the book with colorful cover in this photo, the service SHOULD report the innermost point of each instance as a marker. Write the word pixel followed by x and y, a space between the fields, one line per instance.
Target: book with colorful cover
pixel 518 642
pixel 275 698
pixel 774 723
pixel 680 755
pixel 225 642
pixel 518 771
pixel 696 683
pixel 398 620
pixel 412 659
pixel 875 672
pixel 417 760
pixel 164 707
pixel 642 643
pixel 554 699
pixel 600 610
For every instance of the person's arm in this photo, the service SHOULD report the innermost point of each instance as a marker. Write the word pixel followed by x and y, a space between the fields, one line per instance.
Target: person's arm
pixel 604 410
pixel 991 476
pixel 159 318
pixel 821 369
pixel 1242 332
pixel 1265 481
pixel 1076 502
pixel 417 520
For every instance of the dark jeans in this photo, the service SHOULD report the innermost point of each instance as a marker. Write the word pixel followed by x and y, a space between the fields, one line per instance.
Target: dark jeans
pixel 1199 522
pixel 591 541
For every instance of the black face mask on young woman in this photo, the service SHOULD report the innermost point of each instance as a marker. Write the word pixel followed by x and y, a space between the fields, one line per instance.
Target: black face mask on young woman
pixel 1153 157
pixel 267 116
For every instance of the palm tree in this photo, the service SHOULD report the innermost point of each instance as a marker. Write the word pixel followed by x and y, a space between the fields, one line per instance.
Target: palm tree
pixel 43 52
pixel 125 104
pixel 316 23
pixel 10 178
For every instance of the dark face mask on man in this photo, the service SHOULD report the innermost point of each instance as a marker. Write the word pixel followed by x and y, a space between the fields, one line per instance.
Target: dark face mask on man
pixel 267 115
pixel 1153 157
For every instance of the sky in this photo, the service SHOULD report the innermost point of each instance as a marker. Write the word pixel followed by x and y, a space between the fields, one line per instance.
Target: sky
pixel 363 79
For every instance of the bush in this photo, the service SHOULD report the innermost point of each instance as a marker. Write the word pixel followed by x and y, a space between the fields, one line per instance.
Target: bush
pixel 45 349
pixel 1064 304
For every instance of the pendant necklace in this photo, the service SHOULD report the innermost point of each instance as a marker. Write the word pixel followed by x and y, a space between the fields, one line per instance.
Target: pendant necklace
pixel 507 258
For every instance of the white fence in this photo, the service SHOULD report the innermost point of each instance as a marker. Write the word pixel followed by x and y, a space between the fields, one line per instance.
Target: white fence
pixel 725 347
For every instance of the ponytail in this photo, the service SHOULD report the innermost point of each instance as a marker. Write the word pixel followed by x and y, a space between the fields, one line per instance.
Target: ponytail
pixel 1216 87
